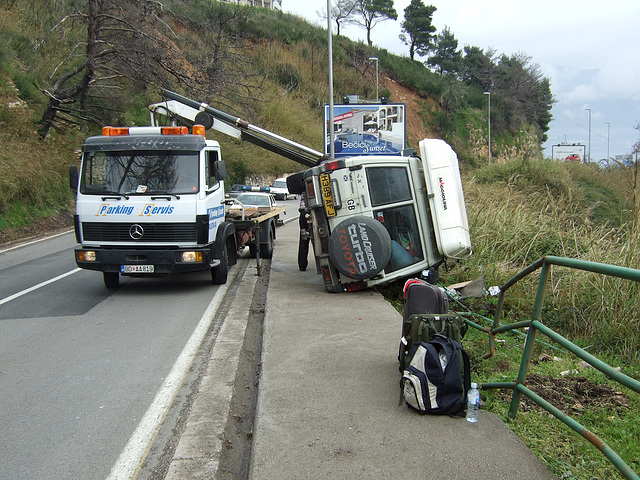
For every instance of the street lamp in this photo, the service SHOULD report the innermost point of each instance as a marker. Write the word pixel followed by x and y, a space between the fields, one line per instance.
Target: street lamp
pixel 589 149
pixel 489 122
pixel 608 136
pixel 375 59
pixel 332 147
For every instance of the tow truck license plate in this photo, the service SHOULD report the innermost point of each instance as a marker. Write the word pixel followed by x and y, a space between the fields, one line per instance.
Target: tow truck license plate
pixel 327 196
pixel 136 269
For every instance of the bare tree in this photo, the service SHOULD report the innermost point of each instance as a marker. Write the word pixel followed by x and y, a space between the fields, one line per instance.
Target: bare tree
pixel 217 49
pixel 341 11
pixel 126 42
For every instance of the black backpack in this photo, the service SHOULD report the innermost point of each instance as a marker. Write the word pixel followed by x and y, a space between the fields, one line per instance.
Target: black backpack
pixel 437 378
pixel 425 314
pixel 424 327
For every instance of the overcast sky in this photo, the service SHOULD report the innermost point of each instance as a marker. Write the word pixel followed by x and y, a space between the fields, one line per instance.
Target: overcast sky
pixel 590 51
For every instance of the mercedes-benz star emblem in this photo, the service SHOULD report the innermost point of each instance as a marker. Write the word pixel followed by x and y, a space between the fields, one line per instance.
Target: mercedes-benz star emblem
pixel 136 231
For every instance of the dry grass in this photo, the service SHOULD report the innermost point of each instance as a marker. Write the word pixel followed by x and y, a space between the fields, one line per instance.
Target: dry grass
pixel 514 223
pixel 33 174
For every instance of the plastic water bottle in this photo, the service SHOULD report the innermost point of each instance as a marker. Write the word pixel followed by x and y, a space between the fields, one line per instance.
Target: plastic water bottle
pixel 473 402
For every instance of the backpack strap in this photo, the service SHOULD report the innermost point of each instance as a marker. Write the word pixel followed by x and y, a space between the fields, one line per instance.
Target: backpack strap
pixel 467 370
pixel 466 374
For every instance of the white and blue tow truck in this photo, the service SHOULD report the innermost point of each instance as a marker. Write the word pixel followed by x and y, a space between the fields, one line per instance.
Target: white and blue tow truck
pixel 151 202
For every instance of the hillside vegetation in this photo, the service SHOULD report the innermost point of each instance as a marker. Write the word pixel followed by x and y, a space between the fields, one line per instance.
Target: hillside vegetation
pixel 271 69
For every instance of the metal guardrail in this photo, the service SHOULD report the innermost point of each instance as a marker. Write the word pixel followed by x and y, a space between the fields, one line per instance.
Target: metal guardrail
pixel 535 325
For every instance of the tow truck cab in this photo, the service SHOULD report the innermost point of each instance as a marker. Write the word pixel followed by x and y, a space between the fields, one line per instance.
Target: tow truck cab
pixel 150 201
pixel 379 218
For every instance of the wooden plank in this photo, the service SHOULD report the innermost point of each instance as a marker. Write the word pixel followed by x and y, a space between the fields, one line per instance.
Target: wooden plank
pixel 256 214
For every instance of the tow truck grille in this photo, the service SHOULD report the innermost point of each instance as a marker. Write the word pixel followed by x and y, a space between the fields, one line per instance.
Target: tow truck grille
pixel 152 232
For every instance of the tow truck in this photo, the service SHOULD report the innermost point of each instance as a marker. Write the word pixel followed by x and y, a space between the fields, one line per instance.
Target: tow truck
pixel 151 202
pixel 373 219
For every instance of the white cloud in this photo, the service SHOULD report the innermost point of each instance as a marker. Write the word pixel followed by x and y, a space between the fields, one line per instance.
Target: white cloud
pixel 581 93
pixel 588 50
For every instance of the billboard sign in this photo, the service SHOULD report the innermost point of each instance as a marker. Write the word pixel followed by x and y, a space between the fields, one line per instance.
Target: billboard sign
pixel 569 153
pixel 366 129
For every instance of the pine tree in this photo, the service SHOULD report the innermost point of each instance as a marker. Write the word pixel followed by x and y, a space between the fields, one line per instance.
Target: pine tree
pixel 417 28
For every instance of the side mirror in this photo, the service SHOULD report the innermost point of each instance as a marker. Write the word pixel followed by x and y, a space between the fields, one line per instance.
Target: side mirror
pixel 219 170
pixel 73 177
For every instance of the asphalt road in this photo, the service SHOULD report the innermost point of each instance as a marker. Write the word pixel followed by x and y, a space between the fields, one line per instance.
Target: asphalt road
pixel 88 374
pixel 80 365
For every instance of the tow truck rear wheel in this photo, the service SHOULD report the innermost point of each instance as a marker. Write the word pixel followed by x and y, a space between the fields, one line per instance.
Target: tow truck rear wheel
pixel 219 274
pixel 111 279
pixel 266 249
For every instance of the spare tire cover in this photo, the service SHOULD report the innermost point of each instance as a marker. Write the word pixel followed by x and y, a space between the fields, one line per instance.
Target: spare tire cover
pixel 360 247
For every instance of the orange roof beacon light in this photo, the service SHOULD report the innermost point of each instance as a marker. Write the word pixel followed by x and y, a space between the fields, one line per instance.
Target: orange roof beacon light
pixel 199 130
pixel 174 131
pixel 122 131
pixel 115 131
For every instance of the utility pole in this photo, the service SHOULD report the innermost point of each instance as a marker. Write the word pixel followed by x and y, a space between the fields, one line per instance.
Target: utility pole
pixel 332 147
pixel 589 149
pixel 608 136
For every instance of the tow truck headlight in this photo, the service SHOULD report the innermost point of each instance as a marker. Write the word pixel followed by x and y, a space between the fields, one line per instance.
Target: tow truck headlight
pixel 86 256
pixel 192 257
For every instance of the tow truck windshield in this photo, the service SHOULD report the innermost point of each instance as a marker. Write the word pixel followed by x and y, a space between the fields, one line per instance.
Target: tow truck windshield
pixel 139 173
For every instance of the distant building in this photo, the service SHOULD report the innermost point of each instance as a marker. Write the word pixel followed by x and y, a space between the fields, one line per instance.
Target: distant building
pixel 270 4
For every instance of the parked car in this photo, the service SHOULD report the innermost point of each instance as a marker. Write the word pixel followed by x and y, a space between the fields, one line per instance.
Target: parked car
pixel 251 204
pixel 280 190
pixel 255 200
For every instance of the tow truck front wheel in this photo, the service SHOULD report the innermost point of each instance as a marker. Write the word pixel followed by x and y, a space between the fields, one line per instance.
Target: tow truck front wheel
pixel 111 279
pixel 219 273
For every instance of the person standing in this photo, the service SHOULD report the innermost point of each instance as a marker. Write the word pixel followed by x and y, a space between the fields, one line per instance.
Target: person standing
pixel 303 245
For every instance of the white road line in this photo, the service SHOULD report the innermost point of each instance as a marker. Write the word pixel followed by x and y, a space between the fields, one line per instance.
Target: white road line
pixel 36 287
pixel 136 449
pixel 26 244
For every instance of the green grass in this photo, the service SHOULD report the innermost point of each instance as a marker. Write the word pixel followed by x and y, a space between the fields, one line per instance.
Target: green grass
pixel 21 215
pixel 518 212
pixel 565 452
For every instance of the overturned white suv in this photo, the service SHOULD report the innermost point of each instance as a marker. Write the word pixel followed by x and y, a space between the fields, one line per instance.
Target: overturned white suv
pixel 375 219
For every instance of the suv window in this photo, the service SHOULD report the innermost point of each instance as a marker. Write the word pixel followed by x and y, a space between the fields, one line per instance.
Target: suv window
pixel 388 185
pixel 406 245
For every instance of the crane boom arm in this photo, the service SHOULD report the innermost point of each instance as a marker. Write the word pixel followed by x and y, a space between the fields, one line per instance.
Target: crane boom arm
pixel 198 112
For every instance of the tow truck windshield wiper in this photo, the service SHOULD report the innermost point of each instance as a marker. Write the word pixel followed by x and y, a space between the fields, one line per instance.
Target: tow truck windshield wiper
pixel 114 195
pixel 162 194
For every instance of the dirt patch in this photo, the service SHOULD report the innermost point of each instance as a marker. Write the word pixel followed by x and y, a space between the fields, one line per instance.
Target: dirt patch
pixel 235 457
pixel 573 395
pixel 416 129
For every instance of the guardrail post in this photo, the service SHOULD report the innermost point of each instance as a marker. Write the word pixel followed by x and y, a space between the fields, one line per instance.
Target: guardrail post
pixel 545 273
